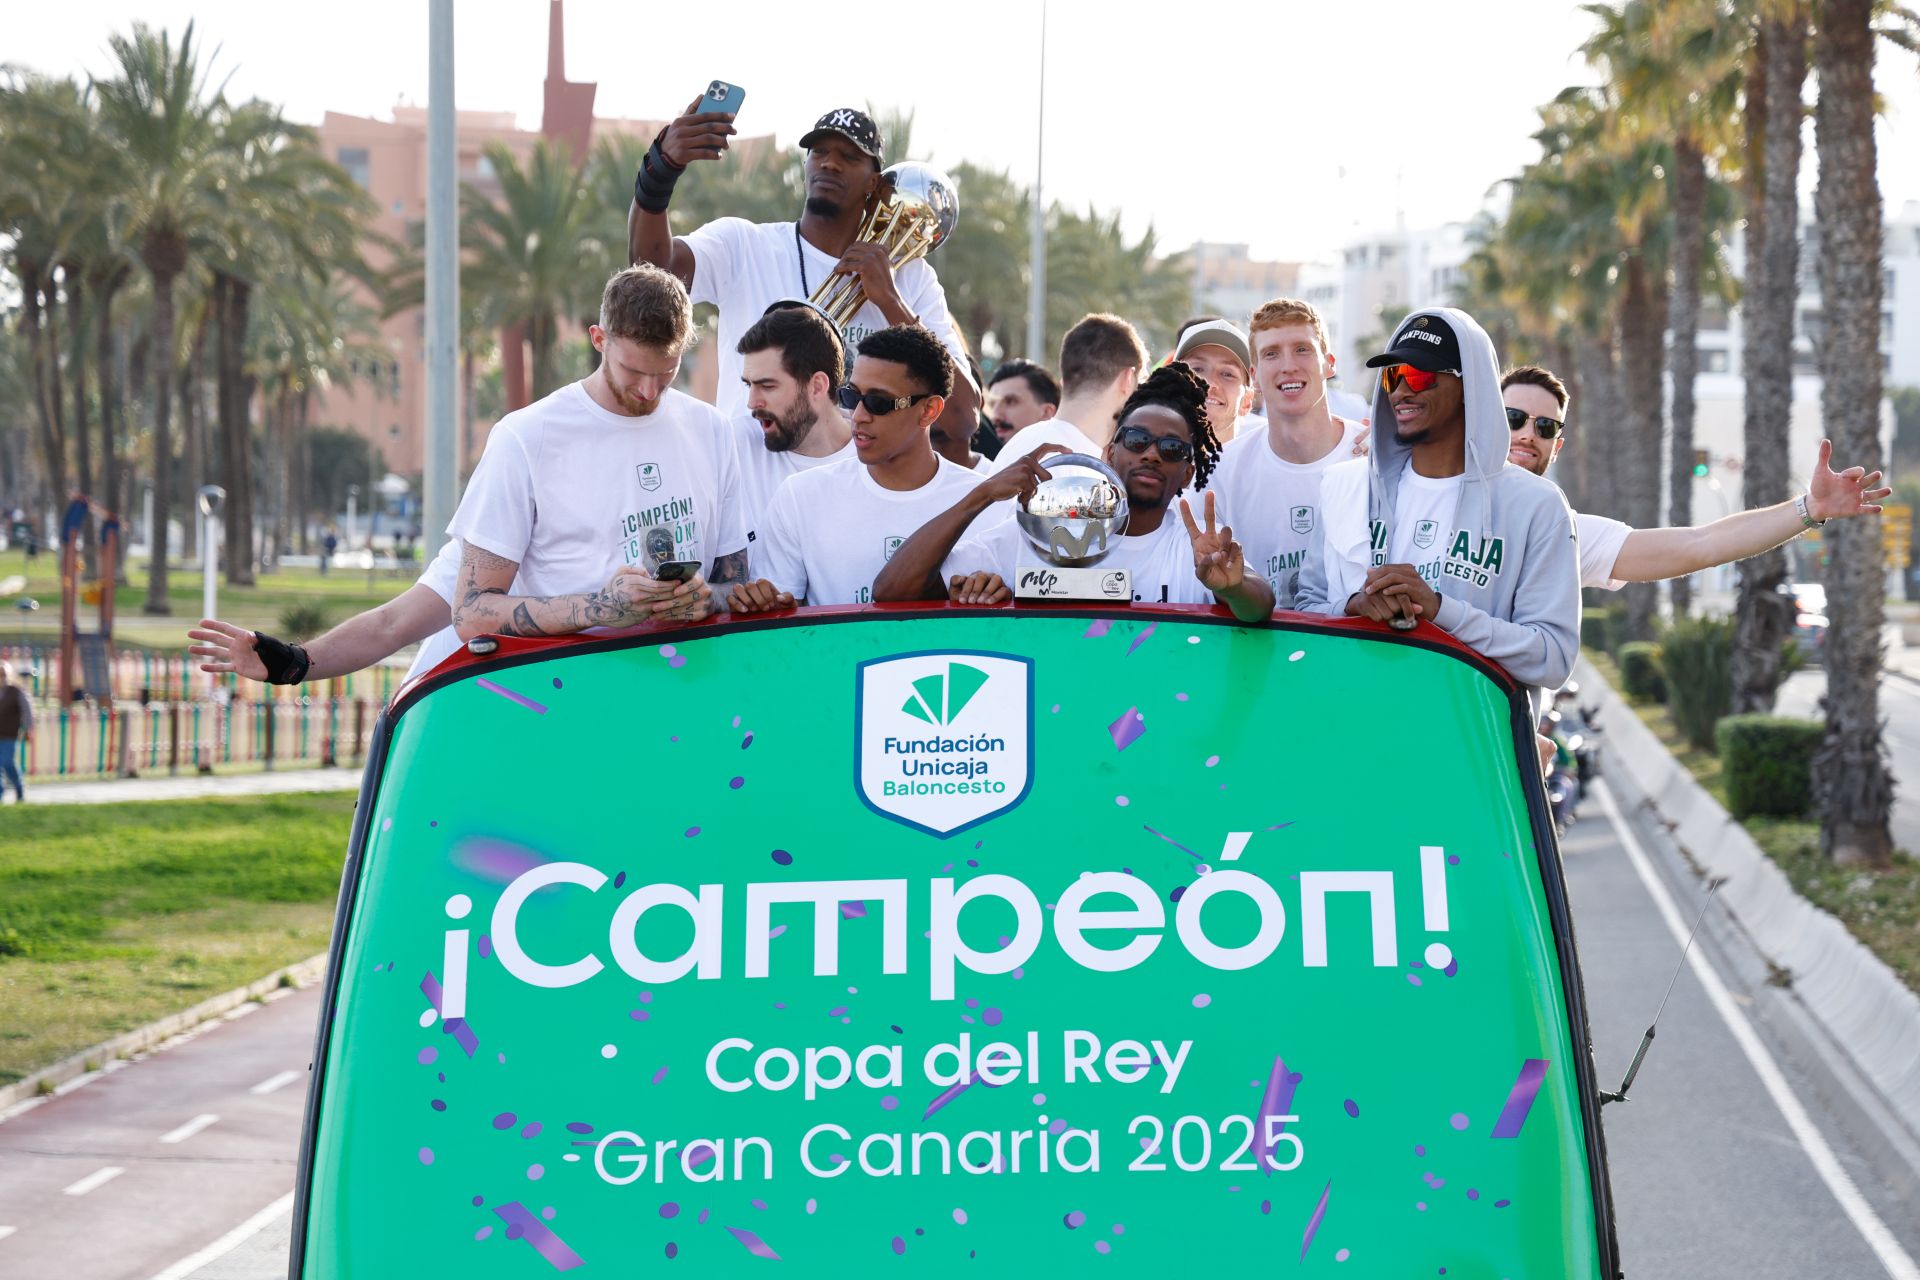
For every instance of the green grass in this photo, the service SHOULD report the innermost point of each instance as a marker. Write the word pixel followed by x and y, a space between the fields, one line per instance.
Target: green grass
pixel 114 915
pixel 1879 907
pixel 343 592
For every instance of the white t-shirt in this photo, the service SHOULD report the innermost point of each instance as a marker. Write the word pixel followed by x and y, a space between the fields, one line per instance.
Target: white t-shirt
pixel 762 471
pixel 983 464
pixel 1160 563
pixel 1423 512
pixel 830 531
pixel 1600 540
pixel 1272 504
pixel 1054 430
pixel 745 267
pixel 571 492
pixel 442 575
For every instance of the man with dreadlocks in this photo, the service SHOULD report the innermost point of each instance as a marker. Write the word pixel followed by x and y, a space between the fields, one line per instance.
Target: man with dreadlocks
pixel 1163 442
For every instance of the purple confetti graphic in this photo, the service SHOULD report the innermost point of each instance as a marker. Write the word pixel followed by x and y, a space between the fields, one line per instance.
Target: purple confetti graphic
pixel 1127 729
pixel 1276 1101
pixel 1097 628
pixel 1520 1099
pixel 522 1224
pixel 1313 1223
pixel 752 1243
pixel 954 1091
pixel 853 910
pixel 455 1027
pixel 1075 1220
pixel 494 860
pixel 1170 840
pixel 511 696
pixel 1142 637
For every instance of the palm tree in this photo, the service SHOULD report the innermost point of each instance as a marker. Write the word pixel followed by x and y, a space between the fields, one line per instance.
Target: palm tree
pixel 1852 781
pixel 1773 118
pixel 524 254
pixel 1675 68
pixel 157 111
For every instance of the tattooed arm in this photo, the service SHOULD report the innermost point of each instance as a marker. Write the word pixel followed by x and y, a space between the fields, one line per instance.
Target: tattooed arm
pixel 481 605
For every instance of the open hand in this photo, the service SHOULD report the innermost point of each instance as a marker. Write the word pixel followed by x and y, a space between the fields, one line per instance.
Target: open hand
pixel 1835 495
pixel 1218 561
pixel 224 648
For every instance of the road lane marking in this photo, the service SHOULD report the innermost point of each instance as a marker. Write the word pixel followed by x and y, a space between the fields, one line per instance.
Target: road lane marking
pixel 1887 1249
pixel 98 1178
pixel 190 1128
pixel 274 1082
pixel 229 1242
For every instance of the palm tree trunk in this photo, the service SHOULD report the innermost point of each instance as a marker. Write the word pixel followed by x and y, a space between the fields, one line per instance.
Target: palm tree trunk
pixel 541 337
pixel 1852 784
pixel 193 402
pixel 236 435
pixel 1762 612
pixel 303 467
pixel 82 434
pixel 53 444
pixel 1683 360
pixel 1600 375
pixel 157 603
pixel 110 355
pixel 1642 330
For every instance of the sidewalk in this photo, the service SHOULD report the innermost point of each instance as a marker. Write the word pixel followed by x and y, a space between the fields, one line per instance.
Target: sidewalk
pixel 194 786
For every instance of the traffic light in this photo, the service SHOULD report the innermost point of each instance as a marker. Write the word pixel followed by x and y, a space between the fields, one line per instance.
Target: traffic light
pixel 1702 463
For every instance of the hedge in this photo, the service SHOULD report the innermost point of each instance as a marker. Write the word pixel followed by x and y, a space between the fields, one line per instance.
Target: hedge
pixel 1640 671
pixel 1766 763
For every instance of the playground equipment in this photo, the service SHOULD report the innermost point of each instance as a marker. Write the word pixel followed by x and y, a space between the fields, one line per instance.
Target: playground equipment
pixel 84 669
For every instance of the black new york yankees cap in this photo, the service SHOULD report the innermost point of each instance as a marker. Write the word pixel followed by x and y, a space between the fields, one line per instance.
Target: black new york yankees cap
pixel 856 127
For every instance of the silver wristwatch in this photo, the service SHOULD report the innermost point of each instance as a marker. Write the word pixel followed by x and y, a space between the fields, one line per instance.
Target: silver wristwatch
pixel 1806 516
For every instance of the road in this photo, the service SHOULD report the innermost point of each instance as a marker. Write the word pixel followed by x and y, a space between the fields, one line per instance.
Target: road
pixel 1724 1167
pixel 1900 706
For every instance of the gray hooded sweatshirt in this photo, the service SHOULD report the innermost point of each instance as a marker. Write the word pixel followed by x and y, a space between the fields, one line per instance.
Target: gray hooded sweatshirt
pixel 1510 580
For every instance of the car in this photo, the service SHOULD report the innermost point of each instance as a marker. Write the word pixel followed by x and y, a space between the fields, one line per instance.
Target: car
pixel 1810 620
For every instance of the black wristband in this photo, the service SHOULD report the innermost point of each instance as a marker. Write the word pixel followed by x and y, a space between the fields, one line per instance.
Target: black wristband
pixel 285 663
pixel 653 184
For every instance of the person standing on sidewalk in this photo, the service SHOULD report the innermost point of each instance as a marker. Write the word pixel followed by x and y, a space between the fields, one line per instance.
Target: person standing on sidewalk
pixel 16 722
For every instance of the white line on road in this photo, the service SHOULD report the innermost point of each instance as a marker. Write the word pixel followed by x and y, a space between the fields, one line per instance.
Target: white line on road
pixel 229 1242
pixel 1887 1249
pixel 190 1128
pixel 98 1178
pixel 274 1082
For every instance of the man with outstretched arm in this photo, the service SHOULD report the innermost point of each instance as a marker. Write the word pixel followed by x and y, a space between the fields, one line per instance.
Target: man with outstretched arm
pixel 1613 554
pixel 742 266
pixel 972 550
pixel 1434 524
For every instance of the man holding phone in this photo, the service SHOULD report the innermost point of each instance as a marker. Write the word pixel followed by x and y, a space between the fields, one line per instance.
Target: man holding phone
pixel 743 267
pixel 599 505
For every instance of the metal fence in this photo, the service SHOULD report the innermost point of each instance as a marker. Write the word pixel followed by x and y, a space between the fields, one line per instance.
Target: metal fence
pixel 170 718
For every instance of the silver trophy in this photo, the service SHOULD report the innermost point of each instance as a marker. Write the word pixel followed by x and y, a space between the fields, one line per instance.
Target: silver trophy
pixel 1072 520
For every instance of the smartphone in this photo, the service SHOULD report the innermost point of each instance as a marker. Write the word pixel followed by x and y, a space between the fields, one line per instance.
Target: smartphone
pixel 721 96
pixel 676 570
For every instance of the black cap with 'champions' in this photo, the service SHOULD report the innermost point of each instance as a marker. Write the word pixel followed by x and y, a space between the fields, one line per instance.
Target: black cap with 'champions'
pixel 1427 343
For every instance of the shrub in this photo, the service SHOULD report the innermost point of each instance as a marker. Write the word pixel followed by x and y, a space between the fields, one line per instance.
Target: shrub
pixel 303 621
pixel 1640 671
pixel 1615 626
pixel 1767 764
pixel 1694 657
pixel 1593 630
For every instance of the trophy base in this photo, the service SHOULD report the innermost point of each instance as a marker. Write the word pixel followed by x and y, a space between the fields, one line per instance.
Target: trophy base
pixel 1055 582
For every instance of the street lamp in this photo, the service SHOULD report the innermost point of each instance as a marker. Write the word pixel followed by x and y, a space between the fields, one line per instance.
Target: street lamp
pixel 210 499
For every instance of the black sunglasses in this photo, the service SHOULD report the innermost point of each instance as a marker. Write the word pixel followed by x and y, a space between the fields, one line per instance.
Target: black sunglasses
pixel 1545 428
pixel 1139 440
pixel 878 405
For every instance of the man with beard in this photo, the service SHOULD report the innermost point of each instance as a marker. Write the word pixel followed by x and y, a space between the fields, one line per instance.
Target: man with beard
pixel 743 266
pixel 1019 394
pixel 792 364
pixel 972 550
pixel 603 482
pixel 1436 525
pixel 1613 554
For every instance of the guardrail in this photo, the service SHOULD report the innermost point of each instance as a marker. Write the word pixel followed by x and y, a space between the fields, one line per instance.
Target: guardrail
pixel 189 737
pixel 141 675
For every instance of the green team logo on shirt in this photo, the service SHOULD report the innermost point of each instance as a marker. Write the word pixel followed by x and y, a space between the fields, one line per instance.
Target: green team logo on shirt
pixel 888 546
pixel 1302 519
pixel 1423 533
pixel 649 475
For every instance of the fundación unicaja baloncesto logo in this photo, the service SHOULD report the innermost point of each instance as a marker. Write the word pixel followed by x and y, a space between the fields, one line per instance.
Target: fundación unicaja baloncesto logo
pixel 943 741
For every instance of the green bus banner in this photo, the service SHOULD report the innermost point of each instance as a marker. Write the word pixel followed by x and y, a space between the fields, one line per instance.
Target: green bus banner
pixel 930 941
